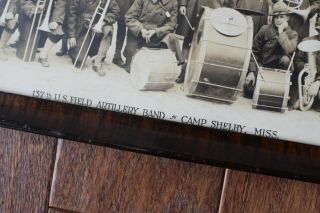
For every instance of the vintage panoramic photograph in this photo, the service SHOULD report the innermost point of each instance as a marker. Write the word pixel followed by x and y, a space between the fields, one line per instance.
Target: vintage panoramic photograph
pixel 247 66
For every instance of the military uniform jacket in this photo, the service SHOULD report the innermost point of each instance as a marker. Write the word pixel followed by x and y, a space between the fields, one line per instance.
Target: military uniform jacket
pixel 12 6
pixel 160 16
pixel 269 46
pixel 59 11
pixel 124 6
pixel 81 12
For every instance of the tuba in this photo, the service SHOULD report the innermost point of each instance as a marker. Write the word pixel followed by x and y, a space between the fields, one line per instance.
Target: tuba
pixel 3 15
pixel 308 75
pixel 295 6
pixel 102 11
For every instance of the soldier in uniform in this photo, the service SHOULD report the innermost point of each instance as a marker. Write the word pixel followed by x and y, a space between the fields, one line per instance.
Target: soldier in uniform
pixel 28 20
pixel 151 23
pixel 8 27
pixel 80 14
pixel 192 9
pixel 124 6
pixel 56 25
pixel 273 44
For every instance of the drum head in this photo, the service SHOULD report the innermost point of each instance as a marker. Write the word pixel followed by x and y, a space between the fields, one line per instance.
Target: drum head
pixel 228 21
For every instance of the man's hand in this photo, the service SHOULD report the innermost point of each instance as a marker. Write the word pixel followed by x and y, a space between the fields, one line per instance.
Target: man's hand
pixel 144 33
pixel 150 33
pixel 9 16
pixel 314 88
pixel 53 25
pixel 72 42
pixel 183 10
pixel 282 27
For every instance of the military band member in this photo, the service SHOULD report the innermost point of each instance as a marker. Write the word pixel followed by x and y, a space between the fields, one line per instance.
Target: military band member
pixel 274 43
pixel 124 6
pixel 8 26
pixel 300 62
pixel 81 12
pixel 57 20
pixel 28 20
pixel 151 23
pixel 192 9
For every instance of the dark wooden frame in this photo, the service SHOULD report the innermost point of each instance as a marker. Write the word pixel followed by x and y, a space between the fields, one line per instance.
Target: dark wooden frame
pixel 161 138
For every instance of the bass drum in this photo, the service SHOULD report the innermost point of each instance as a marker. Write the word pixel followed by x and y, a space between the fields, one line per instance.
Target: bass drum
pixel 220 55
pixel 272 90
pixel 154 69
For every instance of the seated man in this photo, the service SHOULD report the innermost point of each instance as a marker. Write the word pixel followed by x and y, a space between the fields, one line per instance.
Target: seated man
pixel 8 27
pixel 301 61
pixel 80 14
pixel 57 27
pixel 273 45
pixel 151 23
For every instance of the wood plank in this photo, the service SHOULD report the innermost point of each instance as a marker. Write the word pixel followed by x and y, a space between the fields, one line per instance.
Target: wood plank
pixel 26 162
pixel 247 192
pixel 90 178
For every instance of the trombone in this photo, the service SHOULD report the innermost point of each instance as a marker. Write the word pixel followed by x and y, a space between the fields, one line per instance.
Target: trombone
pixel 39 8
pixel 97 29
pixel 3 15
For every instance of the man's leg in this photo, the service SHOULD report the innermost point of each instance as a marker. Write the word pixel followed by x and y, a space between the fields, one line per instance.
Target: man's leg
pixel 185 52
pixel 103 49
pixel 64 47
pixel 6 35
pixel 284 62
pixel 131 49
pixel 173 44
pixel 48 45
pixel 121 34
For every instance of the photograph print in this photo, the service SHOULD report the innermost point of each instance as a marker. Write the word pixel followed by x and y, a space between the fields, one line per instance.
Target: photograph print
pixel 245 66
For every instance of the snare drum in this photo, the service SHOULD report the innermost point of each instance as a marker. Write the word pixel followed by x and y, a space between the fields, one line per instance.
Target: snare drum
pixel 154 69
pixel 272 90
pixel 220 55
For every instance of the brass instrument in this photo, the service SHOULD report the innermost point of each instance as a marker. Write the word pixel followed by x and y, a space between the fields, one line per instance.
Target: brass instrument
pixel 295 6
pixel 39 8
pixel 3 15
pixel 308 74
pixel 97 29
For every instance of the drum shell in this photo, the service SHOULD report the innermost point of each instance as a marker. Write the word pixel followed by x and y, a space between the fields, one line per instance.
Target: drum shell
pixel 217 63
pixel 272 90
pixel 154 69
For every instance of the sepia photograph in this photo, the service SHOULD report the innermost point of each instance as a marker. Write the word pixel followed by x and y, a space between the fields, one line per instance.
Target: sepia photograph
pixel 245 66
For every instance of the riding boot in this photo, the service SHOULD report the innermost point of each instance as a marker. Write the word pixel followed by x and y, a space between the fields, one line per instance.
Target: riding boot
pixel 180 78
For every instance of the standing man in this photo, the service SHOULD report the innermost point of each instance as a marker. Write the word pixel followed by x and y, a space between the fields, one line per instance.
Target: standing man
pixel 81 12
pixel 192 9
pixel 57 28
pixel 151 23
pixel 124 6
pixel 29 15
pixel 8 26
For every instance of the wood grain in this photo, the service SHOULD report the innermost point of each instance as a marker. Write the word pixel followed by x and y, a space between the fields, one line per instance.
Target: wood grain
pixel 161 138
pixel 247 192
pixel 26 162
pixel 89 178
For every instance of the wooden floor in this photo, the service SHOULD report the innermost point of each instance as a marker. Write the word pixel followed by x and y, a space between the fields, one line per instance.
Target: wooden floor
pixel 43 174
